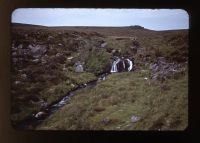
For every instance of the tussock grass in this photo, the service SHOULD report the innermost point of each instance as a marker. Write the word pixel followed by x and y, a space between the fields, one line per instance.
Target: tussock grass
pixel 112 103
pixel 60 90
pixel 50 95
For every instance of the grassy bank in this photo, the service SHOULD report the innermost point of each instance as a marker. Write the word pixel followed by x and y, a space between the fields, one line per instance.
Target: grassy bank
pixel 112 103
pixel 49 95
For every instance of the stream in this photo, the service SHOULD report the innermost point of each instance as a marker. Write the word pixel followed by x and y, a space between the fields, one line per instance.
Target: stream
pixel 118 65
pixel 32 122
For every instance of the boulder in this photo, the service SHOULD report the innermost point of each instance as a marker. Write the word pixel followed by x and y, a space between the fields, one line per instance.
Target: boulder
pixel 58 54
pixel 135 119
pixel 70 58
pixel 43 61
pixel 50 38
pixel 40 114
pixel 20 46
pixel 37 50
pixel 103 44
pixel 79 68
pixel 24 76
pixel 43 104
pixel 14 60
pixel 35 61
pixel 18 82
pixel 14 54
pixel 59 44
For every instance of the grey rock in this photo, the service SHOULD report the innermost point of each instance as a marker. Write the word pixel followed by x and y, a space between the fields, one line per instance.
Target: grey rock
pixel 36 61
pixel 40 114
pixel 50 38
pixel 18 82
pixel 135 119
pixel 24 76
pixel 58 54
pixel 43 104
pixel 79 68
pixel 70 58
pixel 37 50
pixel 43 61
pixel 65 69
pixel 26 36
pixel 103 45
pixel 162 70
pixel 113 51
pixel 20 46
pixel 106 120
pixel 14 54
pixel 14 60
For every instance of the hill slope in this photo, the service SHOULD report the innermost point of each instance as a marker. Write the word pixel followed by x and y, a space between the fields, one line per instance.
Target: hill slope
pixel 44 69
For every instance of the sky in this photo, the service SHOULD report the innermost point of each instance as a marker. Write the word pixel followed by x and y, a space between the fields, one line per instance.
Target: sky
pixel 154 19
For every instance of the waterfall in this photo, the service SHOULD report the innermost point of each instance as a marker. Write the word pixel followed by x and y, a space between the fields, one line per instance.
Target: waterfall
pixel 115 62
pixel 130 65
pixel 123 64
pixel 114 66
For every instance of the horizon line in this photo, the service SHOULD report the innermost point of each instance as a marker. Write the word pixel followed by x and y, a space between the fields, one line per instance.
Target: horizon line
pixel 97 26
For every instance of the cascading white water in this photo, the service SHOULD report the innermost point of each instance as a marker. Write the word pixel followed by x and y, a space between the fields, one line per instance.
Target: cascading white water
pixel 130 65
pixel 124 64
pixel 114 66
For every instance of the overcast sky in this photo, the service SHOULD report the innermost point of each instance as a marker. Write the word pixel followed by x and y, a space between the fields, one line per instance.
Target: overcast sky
pixel 157 19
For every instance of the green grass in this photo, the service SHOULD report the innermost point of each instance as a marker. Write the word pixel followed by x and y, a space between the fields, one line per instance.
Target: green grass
pixel 112 103
pixel 98 61
pixel 50 95
pixel 56 92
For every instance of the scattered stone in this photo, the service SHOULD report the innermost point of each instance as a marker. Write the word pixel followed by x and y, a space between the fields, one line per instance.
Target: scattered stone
pixel 105 121
pixel 14 49
pixel 18 82
pixel 50 38
pixel 43 104
pixel 14 54
pixel 24 76
pixel 64 68
pixel 72 85
pixel 36 61
pixel 162 70
pixel 14 60
pixel 40 114
pixel 20 46
pixel 79 67
pixel 70 58
pixel 58 54
pixel 103 45
pixel 43 61
pixel 135 119
pixel 113 51
pixel 37 50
